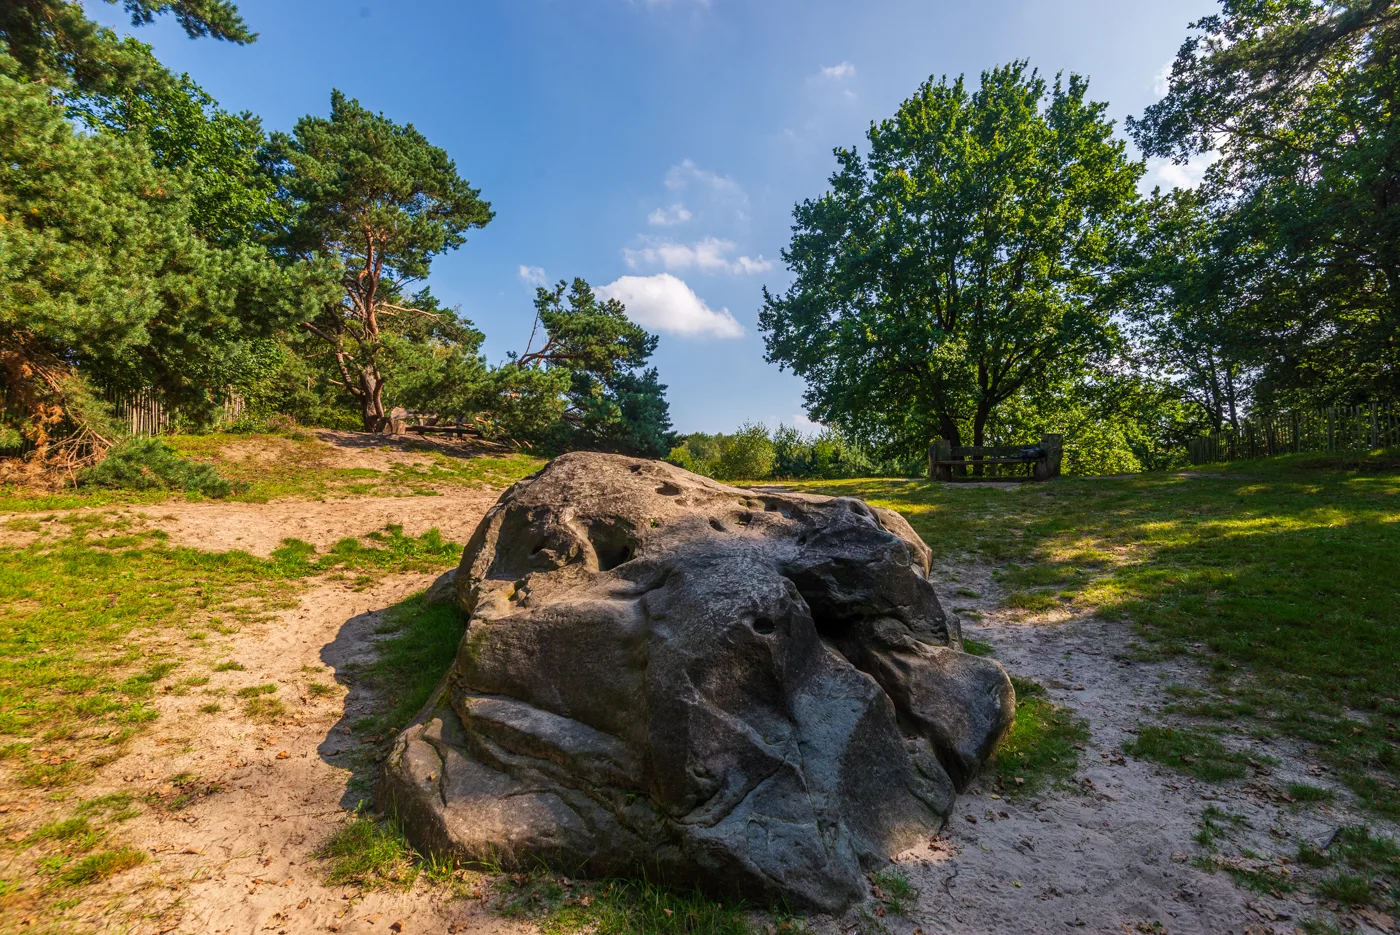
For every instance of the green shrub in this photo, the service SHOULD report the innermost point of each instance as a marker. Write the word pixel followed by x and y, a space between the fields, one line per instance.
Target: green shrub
pixel 747 456
pixel 151 464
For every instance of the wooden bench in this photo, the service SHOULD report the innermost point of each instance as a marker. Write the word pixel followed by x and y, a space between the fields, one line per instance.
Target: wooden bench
pixel 1042 459
pixel 461 431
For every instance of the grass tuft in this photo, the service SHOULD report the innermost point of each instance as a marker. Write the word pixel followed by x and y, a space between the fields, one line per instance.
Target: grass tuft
pixel 1041 749
pixel 370 853
pixel 1189 751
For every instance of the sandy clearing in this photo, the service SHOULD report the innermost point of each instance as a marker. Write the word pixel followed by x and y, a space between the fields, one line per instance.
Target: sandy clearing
pixel 1112 855
pixel 242 860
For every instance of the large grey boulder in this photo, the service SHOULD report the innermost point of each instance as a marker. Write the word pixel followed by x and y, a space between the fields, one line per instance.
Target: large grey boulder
pixel 756 693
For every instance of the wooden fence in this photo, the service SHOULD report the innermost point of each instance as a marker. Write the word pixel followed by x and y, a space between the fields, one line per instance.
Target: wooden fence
pixel 145 415
pixel 1338 428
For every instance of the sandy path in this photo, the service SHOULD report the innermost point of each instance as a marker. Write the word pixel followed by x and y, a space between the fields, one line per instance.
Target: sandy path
pixel 1114 855
pixel 241 860
pixel 216 526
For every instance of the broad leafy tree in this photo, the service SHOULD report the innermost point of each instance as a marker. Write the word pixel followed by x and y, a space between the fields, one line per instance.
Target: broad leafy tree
pixel 220 157
pixel 1192 313
pixel 380 201
pixel 961 261
pixel 1301 100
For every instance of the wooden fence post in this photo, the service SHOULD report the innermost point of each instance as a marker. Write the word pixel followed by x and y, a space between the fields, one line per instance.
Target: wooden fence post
pixel 940 450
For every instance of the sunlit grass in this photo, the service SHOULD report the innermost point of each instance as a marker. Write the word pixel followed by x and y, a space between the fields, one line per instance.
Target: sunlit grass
pixel 1277 574
pixel 299 466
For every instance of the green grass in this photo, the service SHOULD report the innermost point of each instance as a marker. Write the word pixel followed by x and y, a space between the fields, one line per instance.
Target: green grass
pixel 86 628
pixel 263 467
pixel 1362 869
pixel 96 867
pixel 1274 574
pixel 370 853
pixel 618 907
pixel 1303 793
pixel 411 662
pixel 894 891
pixel 1189 751
pixel 1041 749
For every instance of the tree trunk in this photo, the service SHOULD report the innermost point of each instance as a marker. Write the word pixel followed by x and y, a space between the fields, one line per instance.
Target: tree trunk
pixel 979 430
pixel 372 399
pixel 949 427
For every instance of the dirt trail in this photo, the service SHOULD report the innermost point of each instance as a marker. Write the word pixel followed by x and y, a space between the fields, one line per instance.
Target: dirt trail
pixel 1114 854
pixel 241 860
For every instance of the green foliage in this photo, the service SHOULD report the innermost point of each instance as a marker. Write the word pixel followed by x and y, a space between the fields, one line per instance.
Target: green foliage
pixel 103 266
pixel 54 41
pixel 219 157
pixel 752 453
pixel 1041 749
pixel 959 264
pixel 747 454
pixel 610 402
pixel 1298 99
pixel 378 201
pixel 370 853
pixel 150 464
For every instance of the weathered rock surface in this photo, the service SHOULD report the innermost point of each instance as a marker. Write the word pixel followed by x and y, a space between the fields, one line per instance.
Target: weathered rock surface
pixel 754 692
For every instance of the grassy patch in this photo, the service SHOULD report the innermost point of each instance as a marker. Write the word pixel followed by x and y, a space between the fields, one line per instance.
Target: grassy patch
pixel 96 867
pixel 411 662
pixel 1303 793
pixel 1042 748
pixel 977 648
pixel 1189 751
pixel 262 467
pixel 1266 571
pixel 84 628
pixel 560 906
pixel 891 887
pixel 264 709
pixel 370 853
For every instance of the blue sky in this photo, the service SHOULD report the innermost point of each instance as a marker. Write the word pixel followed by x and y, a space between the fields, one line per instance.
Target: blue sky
pixel 656 147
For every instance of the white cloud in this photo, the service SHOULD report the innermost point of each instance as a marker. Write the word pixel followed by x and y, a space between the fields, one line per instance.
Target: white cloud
pixel 687 173
pixel 837 72
pixel 669 217
pixel 802 423
pixel 710 255
pixel 1162 81
pixel 532 275
pixel 665 303
pixel 1169 175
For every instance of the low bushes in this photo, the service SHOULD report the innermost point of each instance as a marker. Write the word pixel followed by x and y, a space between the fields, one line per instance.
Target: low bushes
pixel 151 464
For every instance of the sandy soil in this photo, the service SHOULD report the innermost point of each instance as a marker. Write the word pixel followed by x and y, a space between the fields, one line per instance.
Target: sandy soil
pixel 1113 854
pixel 241 859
